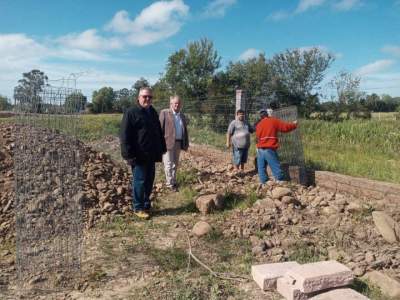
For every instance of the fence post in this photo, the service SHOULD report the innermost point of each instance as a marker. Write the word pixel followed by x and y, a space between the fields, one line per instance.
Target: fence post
pixel 240 101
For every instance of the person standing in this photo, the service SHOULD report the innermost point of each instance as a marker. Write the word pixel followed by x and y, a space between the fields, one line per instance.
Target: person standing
pixel 238 135
pixel 174 127
pixel 142 145
pixel 267 144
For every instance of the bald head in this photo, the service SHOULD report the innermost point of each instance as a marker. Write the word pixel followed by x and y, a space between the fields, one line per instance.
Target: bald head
pixel 175 103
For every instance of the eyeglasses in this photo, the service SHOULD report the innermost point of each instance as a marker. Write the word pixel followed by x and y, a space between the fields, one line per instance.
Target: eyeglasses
pixel 147 96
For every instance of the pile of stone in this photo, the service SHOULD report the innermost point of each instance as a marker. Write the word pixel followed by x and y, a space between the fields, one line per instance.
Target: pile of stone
pixel 336 226
pixel 106 186
pixel 325 280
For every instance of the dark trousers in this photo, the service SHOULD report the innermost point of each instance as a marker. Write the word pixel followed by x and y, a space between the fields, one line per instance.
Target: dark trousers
pixel 142 185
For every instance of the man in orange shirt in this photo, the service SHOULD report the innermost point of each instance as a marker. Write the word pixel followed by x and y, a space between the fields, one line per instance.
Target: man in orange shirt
pixel 267 144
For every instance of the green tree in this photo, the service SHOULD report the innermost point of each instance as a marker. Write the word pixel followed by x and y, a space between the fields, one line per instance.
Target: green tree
pixel 123 100
pixel 346 86
pixel 103 100
pixel 297 73
pixel 253 76
pixel 4 103
pixel 27 92
pixel 75 102
pixel 348 96
pixel 189 71
pixel 140 83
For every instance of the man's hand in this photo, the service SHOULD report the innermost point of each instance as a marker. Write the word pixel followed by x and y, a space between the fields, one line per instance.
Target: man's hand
pixel 295 122
pixel 228 145
pixel 131 162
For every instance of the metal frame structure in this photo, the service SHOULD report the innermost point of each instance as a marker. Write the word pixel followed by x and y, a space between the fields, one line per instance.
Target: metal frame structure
pixel 48 188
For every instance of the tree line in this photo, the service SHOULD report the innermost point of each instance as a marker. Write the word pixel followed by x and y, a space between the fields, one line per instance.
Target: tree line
pixel 292 77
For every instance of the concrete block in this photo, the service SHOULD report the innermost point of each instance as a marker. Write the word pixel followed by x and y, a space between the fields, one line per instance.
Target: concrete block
pixel 319 276
pixel 340 294
pixel 289 290
pixel 266 275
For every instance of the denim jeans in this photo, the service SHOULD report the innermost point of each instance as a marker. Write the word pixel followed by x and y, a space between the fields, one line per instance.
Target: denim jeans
pixel 268 157
pixel 239 155
pixel 142 185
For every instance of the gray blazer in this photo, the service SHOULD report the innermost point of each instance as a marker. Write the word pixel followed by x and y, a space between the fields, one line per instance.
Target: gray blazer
pixel 168 129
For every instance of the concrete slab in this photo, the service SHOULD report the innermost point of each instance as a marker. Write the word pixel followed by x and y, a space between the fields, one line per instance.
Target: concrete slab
pixel 289 290
pixel 320 276
pixel 338 294
pixel 266 275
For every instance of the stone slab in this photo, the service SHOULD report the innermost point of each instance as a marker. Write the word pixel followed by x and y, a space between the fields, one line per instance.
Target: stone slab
pixel 340 294
pixel 266 275
pixel 319 276
pixel 289 289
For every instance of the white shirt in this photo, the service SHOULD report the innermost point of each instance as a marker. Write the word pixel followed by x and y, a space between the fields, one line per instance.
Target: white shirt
pixel 178 126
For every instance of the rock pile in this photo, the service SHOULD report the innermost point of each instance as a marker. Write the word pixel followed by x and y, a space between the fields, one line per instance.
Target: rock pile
pixel 329 225
pixel 106 184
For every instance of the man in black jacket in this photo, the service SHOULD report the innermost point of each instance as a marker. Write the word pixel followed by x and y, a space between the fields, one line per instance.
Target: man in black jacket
pixel 142 144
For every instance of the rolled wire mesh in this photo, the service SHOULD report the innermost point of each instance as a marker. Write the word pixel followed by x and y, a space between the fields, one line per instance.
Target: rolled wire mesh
pixel 47 161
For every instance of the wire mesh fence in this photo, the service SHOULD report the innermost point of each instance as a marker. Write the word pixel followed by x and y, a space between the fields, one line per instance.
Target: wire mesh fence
pixel 47 162
pixel 209 120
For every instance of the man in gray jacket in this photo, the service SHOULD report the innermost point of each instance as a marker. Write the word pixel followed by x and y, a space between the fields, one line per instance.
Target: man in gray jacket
pixel 174 127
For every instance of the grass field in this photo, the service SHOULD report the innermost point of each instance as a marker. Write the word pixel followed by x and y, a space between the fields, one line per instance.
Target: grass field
pixel 364 148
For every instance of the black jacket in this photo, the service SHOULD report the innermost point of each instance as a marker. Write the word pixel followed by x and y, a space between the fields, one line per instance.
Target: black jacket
pixel 141 136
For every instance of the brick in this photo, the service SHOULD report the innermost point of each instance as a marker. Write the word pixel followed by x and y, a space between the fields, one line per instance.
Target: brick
pixel 266 275
pixel 289 290
pixel 319 276
pixel 337 294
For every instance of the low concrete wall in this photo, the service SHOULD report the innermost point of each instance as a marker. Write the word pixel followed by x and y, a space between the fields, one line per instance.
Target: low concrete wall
pixel 359 187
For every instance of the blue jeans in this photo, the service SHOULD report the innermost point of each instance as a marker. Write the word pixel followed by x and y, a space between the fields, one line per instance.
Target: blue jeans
pixel 239 155
pixel 268 157
pixel 142 185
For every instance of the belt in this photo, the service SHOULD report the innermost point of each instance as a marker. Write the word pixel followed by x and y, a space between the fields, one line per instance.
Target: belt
pixel 178 140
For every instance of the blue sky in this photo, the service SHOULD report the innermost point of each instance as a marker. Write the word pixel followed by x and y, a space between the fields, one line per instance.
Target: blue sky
pixel 114 43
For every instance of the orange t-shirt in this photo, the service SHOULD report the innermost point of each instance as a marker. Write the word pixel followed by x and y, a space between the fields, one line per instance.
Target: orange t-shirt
pixel 267 132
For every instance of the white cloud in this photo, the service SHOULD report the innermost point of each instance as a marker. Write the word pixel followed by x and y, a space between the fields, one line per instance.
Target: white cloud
pixel 375 67
pixel 249 53
pixel 345 5
pixel 20 53
pixel 391 49
pixel 156 22
pixel 385 83
pixel 279 15
pixel 218 8
pixel 89 40
pixel 305 5
pixel 323 49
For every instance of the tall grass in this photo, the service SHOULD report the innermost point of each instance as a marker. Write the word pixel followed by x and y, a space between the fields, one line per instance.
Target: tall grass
pixel 367 148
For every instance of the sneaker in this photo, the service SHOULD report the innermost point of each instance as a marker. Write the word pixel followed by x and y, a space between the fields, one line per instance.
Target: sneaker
pixel 142 214
pixel 175 188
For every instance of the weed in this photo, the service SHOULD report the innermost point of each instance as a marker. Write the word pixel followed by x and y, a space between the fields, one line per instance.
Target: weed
pixel 366 211
pixel 97 275
pixel 305 253
pixel 186 177
pixel 170 259
pixel 232 200
pixel 369 290
pixel 213 236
